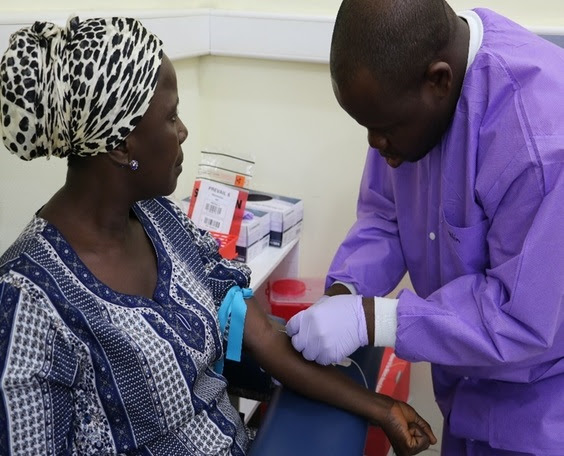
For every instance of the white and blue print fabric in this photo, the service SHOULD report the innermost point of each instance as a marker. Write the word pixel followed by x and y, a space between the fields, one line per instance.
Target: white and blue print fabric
pixel 87 370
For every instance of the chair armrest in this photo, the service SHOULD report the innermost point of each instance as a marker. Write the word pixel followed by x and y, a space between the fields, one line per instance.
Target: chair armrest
pixel 297 426
pixel 246 379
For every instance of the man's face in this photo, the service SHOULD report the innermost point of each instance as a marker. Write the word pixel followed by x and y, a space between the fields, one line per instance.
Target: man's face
pixel 404 125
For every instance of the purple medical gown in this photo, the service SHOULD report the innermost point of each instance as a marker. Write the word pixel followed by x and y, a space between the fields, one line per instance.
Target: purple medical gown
pixel 479 225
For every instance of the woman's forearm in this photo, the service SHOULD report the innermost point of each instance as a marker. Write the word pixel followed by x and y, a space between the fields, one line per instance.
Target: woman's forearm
pixel 272 349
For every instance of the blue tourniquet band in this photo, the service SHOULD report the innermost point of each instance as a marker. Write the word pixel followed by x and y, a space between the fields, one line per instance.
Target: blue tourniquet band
pixel 233 309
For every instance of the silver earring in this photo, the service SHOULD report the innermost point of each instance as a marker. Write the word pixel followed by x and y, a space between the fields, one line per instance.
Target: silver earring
pixel 133 165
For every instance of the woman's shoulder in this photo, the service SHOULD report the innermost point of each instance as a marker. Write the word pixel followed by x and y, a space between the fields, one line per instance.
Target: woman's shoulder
pixel 23 279
pixel 173 222
pixel 26 245
pixel 31 264
pixel 164 209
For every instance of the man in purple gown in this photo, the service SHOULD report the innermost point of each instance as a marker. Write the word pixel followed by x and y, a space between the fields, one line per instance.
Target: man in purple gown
pixel 463 188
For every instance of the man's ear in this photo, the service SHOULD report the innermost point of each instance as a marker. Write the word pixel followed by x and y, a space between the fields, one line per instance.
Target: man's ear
pixel 439 78
pixel 120 155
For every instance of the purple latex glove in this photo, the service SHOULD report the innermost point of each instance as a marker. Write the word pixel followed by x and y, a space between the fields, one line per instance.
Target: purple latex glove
pixel 330 330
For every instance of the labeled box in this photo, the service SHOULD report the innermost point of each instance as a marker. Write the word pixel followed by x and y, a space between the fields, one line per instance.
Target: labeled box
pixel 254 228
pixel 286 215
pixel 254 235
pixel 250 252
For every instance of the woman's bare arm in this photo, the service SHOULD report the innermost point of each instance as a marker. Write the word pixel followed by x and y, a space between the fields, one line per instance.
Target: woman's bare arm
pixel 406 430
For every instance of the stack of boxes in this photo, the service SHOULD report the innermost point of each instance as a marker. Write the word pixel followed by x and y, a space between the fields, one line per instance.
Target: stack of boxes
pixel 286 215
pixel 270 220
pixel 254 236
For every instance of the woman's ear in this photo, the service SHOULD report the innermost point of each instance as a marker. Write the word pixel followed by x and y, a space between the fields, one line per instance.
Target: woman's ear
pixel 439 78
pixel 120 155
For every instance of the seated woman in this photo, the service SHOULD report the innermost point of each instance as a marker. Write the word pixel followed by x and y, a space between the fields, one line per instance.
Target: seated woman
pixel 109 298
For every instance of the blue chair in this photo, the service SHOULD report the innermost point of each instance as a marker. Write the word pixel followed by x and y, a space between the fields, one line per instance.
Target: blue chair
pixel 297 426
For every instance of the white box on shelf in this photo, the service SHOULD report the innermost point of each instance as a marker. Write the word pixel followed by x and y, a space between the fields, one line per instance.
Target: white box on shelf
pixel 254 228
pixel 250 252
pixel 286 215
pixel 254 236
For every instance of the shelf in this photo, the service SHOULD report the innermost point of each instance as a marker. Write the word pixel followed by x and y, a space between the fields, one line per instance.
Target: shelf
pixel 264 264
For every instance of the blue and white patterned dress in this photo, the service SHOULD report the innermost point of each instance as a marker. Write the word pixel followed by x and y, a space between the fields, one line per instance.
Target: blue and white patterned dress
pixel 89 371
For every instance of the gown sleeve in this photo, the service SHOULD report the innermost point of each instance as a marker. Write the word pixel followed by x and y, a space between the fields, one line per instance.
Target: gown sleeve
pixel 512 314
pixel 371 257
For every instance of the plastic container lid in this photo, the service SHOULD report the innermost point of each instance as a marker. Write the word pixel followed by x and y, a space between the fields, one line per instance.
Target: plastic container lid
pixel 288 296
pixel 289 287
pixel 295 290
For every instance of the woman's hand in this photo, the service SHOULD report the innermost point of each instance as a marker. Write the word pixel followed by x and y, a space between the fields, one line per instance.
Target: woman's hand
pixel 406 430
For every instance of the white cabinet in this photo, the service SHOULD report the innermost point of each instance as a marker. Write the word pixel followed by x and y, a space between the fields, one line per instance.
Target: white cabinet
pixel 271 264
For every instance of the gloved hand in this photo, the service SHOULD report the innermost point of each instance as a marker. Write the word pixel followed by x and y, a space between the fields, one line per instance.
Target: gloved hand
pixel 329 330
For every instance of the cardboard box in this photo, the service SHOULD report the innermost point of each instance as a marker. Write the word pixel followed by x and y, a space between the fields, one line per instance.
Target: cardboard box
pixel 286 215
pixel 249 253
pixel 254 236
pixel 255 228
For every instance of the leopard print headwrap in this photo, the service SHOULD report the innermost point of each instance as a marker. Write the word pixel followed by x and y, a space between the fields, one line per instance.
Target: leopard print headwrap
pixel 76 90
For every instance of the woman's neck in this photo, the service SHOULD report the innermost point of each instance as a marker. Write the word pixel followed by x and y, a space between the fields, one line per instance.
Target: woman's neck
pixel 89 213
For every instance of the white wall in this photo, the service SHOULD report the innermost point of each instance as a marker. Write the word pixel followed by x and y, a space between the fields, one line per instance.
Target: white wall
pixel 71 6
pixel 542 13
pixel 305 145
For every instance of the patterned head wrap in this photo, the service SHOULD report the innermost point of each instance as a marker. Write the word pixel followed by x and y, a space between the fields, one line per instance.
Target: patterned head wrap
pixel 77 90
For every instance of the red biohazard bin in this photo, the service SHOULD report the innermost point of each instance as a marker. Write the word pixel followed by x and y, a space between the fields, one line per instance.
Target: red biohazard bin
pixel 393 380
pixel 288 296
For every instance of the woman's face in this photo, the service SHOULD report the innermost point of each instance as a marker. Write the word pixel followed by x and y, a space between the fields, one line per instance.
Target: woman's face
pixel 156 141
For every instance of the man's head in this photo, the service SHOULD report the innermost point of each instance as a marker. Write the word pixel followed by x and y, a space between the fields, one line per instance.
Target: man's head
pixel 392 65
